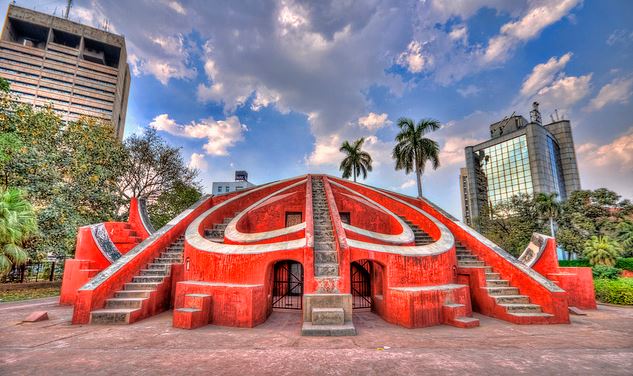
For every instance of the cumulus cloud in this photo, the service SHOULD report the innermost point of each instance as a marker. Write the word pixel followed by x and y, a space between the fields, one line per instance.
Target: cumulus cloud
pixel 617 154
pixel 413 59
pixel 469 91
pixel 220 134
pixel 374 121
pixel 540 15
pixel 617 91
pixel 620 36
pixel 197 161
pixel 452 151
pixel 565 92
pixel 543 74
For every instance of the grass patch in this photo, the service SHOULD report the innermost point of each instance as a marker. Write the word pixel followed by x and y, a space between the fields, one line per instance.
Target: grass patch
pixel 617 291
pixel 31 293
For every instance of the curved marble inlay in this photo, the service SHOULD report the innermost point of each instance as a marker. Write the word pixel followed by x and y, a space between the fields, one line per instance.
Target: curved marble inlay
pixel 232 233
pixel 445 242
pixel 142 212
pixel 534 250
pixel 193 237
pixel 104 243
pixel 406 236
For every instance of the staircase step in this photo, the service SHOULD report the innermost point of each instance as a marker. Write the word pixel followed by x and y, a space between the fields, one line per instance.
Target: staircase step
pixel 492 276
pixel 465 322
pixel 502 290
pixel 328 316
pixel 323 246
pixel 521 308
pixel 147 278
pixel 470 264
pixel 141 286
pixel 531 314
pixel 156 272
pixel 132 294
pixel 170 260
pixel 326 269
pixel 325 257
pixel 511 299
pixel 154 265
pixel 497 282
pixel 124 303
pixel 112 316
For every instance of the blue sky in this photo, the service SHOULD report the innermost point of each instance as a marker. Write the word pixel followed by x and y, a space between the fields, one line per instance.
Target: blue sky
pixel 275 87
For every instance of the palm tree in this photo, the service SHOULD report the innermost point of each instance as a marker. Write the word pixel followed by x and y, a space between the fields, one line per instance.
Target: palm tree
pixel 17 224
pixel 413 150
pixel 625 235
pixel 601 250
pixel 548 207
pixel 357 161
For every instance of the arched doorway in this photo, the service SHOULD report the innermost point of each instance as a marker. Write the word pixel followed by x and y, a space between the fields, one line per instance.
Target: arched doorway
pixel 360 274
pixel 287 285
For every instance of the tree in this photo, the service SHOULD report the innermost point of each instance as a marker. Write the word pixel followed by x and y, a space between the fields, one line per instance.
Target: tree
pixel 601 250
pixel 152 167
pixel 625 236
pixel 357 161
pixel 548 207
pixel 413 150
pixel 17 225
pixel 172 202
pixel 510 224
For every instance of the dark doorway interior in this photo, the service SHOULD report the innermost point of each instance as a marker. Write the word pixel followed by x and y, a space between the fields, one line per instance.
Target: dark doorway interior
pixel 361 284
pixel 288 285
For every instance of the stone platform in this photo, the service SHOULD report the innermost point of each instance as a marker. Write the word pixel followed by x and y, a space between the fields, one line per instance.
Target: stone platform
pixel 599 343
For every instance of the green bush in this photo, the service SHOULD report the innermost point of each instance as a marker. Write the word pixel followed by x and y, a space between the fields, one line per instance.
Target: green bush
pixel 625 263
pixel 619 291
pixel 573 263
pixel 605 272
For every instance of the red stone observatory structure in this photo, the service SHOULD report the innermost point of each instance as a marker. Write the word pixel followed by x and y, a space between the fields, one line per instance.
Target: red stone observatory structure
pixel 318 244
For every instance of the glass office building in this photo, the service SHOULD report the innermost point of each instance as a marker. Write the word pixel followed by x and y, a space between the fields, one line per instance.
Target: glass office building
pixel 520 158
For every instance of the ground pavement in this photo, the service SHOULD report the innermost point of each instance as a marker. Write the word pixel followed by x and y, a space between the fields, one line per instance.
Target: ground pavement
pixel 599 343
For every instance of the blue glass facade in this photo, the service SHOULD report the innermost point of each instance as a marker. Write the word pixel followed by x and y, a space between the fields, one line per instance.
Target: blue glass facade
pixel 507 169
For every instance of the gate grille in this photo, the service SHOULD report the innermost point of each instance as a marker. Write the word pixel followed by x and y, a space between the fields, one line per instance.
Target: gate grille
pixel 361 286
pixel 288 285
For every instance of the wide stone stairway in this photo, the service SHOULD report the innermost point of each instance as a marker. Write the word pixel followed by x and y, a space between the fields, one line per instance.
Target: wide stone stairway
pixel 138 297
pixel 325 260
pixel 325 313
pixel 216 233
pixel 505 296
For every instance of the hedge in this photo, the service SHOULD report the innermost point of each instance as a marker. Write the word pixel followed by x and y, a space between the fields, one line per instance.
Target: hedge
pixel 574 263
pixel 621 263
pixel 619 291
pixel 625 263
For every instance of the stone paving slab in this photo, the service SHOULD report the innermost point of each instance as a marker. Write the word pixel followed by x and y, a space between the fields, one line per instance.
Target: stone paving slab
pixel 599 343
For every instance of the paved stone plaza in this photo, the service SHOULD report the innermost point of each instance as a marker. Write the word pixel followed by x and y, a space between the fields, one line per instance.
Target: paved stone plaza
pixel 599 343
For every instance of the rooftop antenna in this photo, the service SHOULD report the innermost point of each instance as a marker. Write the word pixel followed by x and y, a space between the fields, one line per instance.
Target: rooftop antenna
pixel 535 114
pixel 557 117
pixel 68 5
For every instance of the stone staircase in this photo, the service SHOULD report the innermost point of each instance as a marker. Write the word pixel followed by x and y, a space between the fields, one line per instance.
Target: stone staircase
pixel 137 298
pixel 421 237
pixel 325 258
pixel 505 296
pixel 216 233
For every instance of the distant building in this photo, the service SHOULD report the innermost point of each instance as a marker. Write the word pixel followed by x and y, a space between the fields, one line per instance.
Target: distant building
pixel 77 69
pixel 520 158
pixel 241 182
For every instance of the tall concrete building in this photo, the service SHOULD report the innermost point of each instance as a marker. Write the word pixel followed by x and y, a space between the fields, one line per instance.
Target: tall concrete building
pixel 241 182
pixel 521 157
pixel 77 69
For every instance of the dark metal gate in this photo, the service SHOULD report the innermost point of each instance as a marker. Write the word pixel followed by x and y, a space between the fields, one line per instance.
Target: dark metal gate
pixel 288 285
pixel 361 284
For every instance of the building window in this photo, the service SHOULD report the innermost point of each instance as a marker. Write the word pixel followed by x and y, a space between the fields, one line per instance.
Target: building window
pixel 220 188
pixel 556 168
pixel 227 188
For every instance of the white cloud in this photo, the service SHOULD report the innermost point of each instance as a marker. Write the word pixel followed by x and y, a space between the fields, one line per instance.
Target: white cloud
pixel 220 134
pixel 452 152
pixel 408 184
pixel 413 59
pixel 543 74
pixel 459 33
pixel 170 58
pixel 565 92
pixel 373 121
pixel 540 15
pixel 618 154
pixel 469 91
pixel 177 7
pixel 197 161
pixel 620 36
pixel 326 151
pixel 617 91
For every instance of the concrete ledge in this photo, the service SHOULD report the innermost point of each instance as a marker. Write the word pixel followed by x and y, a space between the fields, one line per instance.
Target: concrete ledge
pixel 309 329
pixel 328 316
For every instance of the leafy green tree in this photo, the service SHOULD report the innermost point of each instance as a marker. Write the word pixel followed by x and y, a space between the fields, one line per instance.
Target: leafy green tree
pixel 4 85
pixel 17 224
pixel 548 207
pixel 413 150
pixel 356 161
pixel 172 202
pixel 601 250
pixel 510 224
pixel 152 167
pixel 625 236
